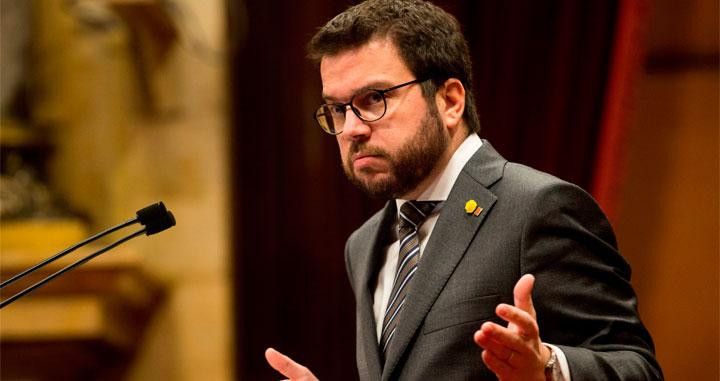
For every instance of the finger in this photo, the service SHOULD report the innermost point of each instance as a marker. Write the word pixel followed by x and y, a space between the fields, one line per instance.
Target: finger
pixel 522 294
pixel 495 364
pixel 519 320
pixel 487 343
pixel 285 365
pixel 505 337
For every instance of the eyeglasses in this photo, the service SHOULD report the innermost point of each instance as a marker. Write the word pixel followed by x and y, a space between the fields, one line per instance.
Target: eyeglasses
pixel 369 106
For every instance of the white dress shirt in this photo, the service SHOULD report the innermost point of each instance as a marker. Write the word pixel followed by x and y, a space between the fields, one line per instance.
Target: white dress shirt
pixel 438 190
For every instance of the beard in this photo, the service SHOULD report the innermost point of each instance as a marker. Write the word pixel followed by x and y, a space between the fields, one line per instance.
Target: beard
pixel 409 166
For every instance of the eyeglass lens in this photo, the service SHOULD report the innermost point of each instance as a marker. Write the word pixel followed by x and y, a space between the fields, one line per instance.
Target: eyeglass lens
pixel 368 106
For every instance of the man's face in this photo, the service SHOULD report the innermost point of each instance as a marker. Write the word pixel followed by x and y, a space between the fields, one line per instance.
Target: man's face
pixel 388 158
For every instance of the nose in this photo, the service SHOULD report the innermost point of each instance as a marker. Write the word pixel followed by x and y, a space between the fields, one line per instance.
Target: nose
pixel 355 128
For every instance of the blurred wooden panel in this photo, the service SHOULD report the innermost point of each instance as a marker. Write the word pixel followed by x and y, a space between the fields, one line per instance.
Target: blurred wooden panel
pixel 33 238
pixel 84 325
pixel 668 219
pixel 684 26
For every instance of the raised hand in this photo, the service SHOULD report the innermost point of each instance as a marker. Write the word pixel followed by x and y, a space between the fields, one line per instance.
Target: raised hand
pixel 515 352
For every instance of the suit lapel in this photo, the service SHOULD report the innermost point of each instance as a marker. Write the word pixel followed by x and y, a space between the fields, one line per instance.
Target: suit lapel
pixel 450 238
pixel 369 266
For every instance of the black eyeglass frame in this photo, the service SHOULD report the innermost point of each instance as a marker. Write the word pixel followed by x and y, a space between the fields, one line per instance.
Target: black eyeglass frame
pixel 355 111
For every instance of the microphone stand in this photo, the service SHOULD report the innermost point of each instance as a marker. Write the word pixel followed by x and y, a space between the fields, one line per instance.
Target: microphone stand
pixel 66 252
pixel 155 219
pixel 68 267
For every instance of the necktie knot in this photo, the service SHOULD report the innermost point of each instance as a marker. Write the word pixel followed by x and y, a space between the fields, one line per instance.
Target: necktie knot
pixel 413 213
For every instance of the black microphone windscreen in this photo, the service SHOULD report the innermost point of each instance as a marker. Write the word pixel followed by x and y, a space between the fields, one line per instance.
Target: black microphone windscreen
pixel 156 218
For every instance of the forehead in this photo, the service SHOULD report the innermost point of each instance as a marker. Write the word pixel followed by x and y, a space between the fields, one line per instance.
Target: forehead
pixel 376 63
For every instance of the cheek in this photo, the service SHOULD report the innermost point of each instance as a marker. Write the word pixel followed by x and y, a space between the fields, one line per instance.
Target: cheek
pixel 343 147
pixel 407 122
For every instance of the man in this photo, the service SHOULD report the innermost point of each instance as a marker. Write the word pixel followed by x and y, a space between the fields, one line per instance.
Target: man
pixel 441 275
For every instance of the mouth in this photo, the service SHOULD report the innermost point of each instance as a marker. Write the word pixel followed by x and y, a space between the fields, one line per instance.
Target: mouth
pixel 365 161
pixel 360 156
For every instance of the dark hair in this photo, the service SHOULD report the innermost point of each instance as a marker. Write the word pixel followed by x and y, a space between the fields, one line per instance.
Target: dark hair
pixel 428 38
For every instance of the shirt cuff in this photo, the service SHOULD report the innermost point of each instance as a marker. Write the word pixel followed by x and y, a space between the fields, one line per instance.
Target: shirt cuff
pixel 562 361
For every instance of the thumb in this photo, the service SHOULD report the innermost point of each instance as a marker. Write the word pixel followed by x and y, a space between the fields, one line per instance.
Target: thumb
pixel 287 366
pixel 523 294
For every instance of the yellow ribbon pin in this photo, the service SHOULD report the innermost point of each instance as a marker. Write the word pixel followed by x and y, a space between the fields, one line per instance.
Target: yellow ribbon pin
pixel 470 206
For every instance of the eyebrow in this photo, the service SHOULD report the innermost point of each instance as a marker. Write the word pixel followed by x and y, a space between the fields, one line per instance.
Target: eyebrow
pixel 377 85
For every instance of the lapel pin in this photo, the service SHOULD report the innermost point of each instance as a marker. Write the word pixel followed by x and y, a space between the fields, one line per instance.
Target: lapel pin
pixel 470 206
pixel 477 212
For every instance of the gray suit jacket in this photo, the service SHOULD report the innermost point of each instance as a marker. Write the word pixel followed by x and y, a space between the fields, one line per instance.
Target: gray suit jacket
pixel 531 223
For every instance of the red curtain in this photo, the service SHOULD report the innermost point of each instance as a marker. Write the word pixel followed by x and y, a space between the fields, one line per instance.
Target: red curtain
pixel 626 60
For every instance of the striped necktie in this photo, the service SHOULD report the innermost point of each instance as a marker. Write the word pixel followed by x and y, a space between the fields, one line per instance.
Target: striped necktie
pixel 412 214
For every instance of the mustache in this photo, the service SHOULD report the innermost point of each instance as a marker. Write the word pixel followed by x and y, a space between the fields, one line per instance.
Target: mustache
pixel 363 148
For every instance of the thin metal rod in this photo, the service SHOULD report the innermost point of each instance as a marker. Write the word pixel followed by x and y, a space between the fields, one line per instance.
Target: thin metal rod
pixel 70 267
pixel 67 251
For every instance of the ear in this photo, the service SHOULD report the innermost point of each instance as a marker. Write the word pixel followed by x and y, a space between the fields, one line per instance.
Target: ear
pixel 450 100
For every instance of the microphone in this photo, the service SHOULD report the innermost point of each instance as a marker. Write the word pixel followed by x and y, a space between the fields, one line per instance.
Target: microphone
pixel 155 218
